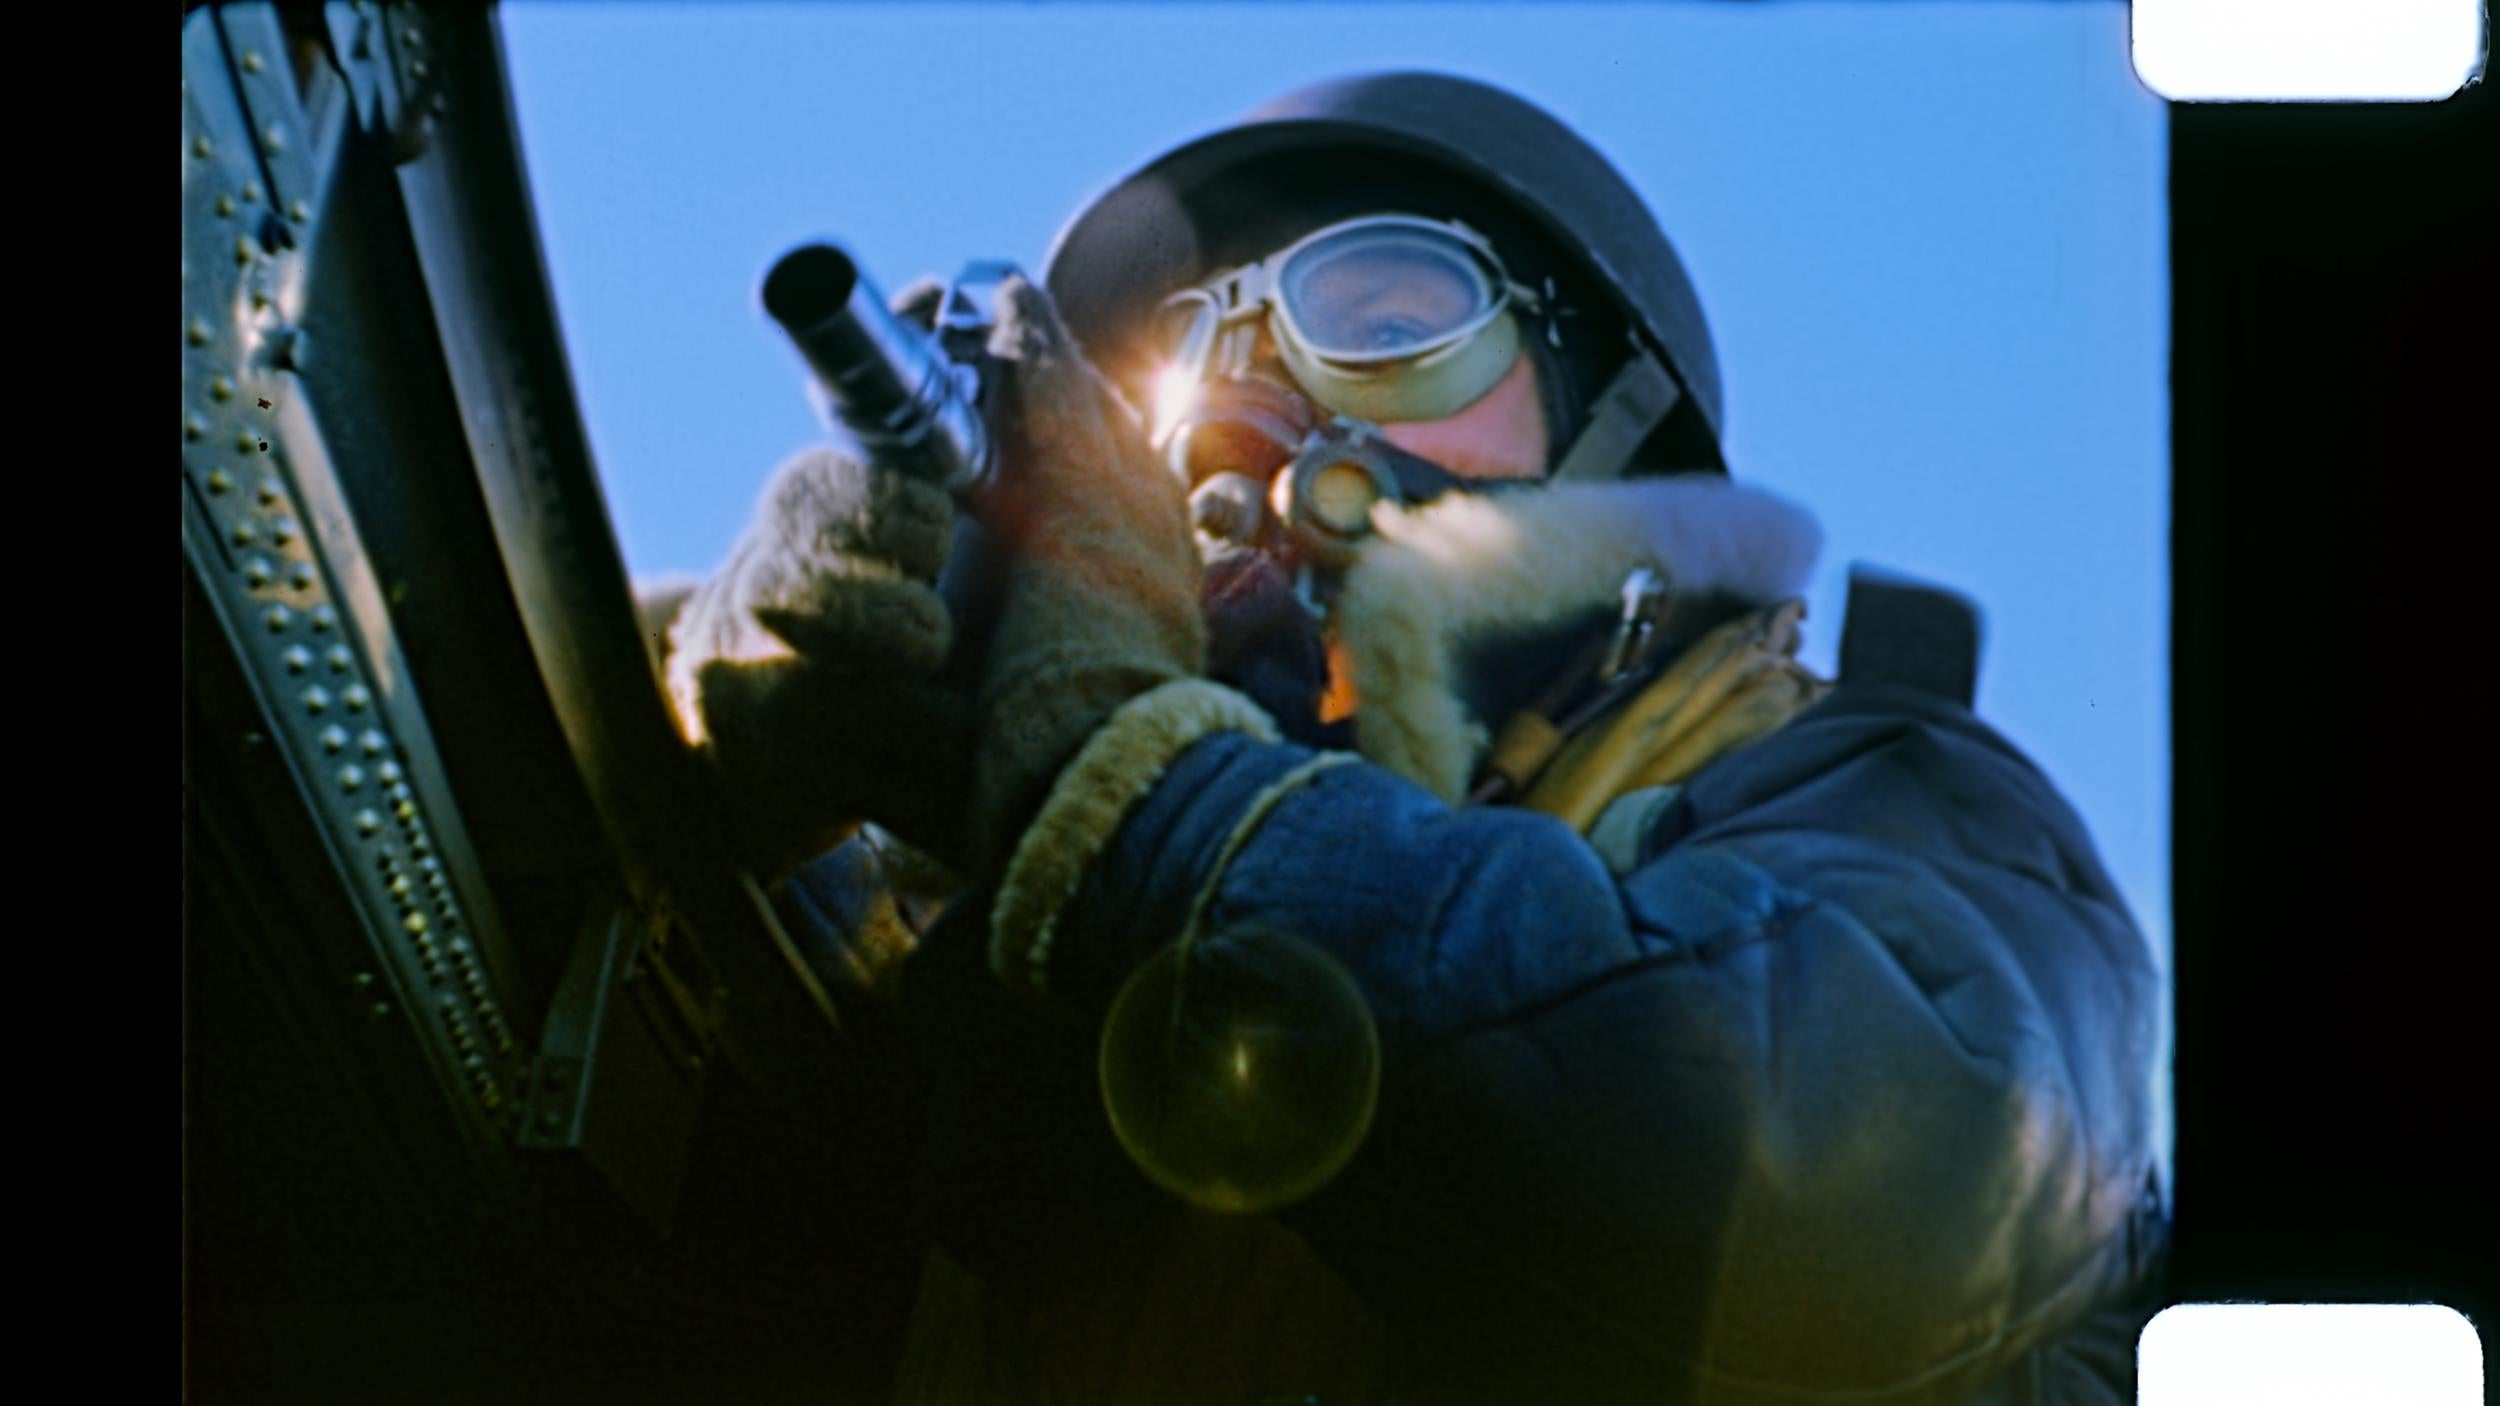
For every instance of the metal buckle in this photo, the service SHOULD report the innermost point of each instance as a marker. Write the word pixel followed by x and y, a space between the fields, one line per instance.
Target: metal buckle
pixel 1644 601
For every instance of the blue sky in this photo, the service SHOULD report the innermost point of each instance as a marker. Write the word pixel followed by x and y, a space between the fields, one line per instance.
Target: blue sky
pixel 1931 239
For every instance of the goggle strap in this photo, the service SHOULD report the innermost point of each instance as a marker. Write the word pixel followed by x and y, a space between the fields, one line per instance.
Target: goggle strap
pixel 1635 403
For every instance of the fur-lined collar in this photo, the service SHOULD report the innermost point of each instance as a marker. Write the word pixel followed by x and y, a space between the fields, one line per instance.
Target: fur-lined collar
pixel 1473 565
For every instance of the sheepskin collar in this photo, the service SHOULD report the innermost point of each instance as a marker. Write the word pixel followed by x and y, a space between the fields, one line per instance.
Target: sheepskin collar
pixel 1439 579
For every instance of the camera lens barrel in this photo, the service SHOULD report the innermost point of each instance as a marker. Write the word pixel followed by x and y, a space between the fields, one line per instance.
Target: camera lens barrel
pixel 886 382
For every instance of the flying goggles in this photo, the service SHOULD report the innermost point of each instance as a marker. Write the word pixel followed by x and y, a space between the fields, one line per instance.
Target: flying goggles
pixel 1383 318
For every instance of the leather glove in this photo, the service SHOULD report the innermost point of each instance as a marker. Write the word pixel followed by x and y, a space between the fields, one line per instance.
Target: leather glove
pixel 1097 615
pixel 813 668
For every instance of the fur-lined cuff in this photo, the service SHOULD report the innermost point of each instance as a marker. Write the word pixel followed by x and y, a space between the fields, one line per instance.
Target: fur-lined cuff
pixel 1120 763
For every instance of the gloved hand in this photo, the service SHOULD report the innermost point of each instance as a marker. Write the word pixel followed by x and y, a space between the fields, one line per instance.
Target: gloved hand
pixel 1099 593
pixel 813 668
pixel 1097 615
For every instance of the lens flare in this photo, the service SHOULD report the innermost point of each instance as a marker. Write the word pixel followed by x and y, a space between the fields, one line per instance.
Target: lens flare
pixel 1241 1072
pixel 1176 393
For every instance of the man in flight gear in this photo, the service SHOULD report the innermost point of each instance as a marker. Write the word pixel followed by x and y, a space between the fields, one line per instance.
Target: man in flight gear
pixel 1364 571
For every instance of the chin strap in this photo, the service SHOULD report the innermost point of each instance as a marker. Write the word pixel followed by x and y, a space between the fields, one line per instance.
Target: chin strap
pixel 1634 404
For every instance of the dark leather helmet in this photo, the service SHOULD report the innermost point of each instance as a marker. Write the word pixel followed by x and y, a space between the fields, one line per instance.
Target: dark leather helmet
pixel 1435 145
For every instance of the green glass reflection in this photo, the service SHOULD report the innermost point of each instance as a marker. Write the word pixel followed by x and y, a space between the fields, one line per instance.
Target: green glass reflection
pixel 1241 1071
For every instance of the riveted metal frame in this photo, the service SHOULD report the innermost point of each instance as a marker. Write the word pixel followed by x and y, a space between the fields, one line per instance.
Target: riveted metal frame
pixel 274 545
pixel 390 181
pixel 381 55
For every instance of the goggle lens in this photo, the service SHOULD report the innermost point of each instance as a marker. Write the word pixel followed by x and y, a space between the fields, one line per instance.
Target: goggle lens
pixel 1381 293
pixel 1387 318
